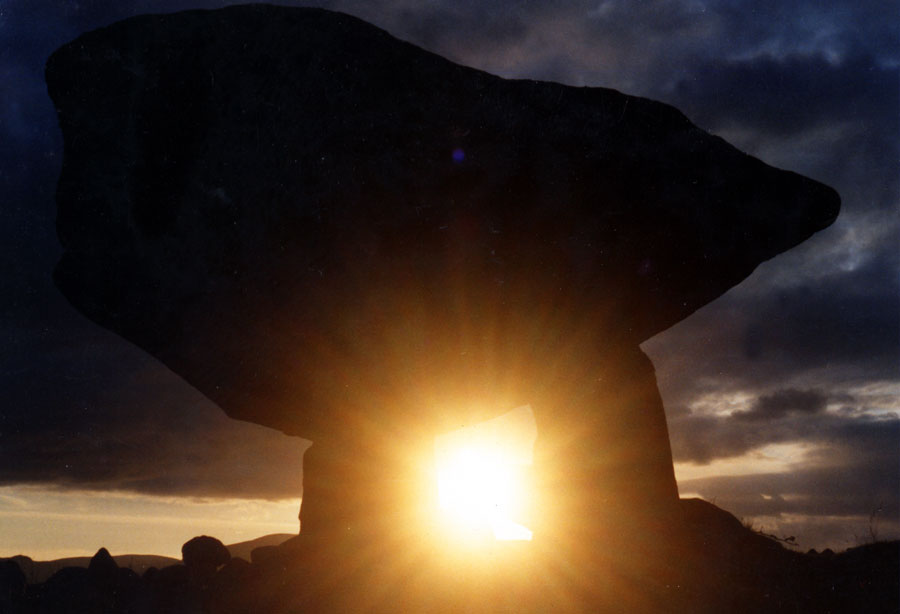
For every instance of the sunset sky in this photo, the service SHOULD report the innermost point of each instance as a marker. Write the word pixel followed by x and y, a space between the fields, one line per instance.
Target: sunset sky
pixel 782 396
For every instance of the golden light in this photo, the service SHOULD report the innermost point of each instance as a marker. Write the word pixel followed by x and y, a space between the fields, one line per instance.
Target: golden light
pixel 481 472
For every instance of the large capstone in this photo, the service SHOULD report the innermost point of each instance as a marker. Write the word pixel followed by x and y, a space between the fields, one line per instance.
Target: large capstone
pixel 335 233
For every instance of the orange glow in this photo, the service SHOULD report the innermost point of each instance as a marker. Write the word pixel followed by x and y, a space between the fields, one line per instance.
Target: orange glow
pixel 480 476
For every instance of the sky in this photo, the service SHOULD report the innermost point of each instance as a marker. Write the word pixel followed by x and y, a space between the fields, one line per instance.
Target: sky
pixel 782 396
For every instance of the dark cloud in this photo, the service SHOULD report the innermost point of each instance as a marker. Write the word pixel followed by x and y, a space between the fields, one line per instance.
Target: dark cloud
pixel 807 25
pixel 462 25
pixel 644 31
pixel 791 95
pixel 851 490
pixel 99 414
pixel 783 402
pixel 788 416
pixel 837 320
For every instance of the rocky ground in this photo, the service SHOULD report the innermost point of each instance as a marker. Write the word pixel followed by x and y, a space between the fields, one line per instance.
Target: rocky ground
pixel 714 564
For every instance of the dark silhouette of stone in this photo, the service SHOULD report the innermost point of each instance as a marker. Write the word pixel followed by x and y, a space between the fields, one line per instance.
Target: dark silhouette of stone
pixel 131 594
pixel 232 588
pixel 708 563
pixel 204 551
pixel 149 574
pixel 202 557
pixel 101 588
pixel 103 570
pixel 337 234
pixel 12 585
pixel 172 591
pixel 26 564
pixel 70 590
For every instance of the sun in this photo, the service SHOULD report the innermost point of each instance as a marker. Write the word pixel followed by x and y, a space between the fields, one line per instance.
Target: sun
pixel 477 491
pixel 480 473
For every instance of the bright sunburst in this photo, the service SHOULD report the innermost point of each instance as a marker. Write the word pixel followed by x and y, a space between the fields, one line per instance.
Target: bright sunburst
pixel 480 475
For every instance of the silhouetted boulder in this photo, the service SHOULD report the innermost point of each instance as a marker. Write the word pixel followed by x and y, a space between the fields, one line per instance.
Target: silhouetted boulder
pixel 103 570
pixel 203 556
pixel 27 565
pixel 204 552
pixel 12 584
pixel 334 233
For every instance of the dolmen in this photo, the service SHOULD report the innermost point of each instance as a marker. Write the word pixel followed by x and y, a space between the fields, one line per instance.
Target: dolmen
pixel 337 234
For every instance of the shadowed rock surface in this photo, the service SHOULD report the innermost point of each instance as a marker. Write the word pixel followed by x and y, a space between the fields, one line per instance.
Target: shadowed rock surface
pixel 332 232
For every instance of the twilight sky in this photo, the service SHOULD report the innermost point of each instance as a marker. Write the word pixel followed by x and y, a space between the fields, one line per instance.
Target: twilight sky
pixel 783 396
